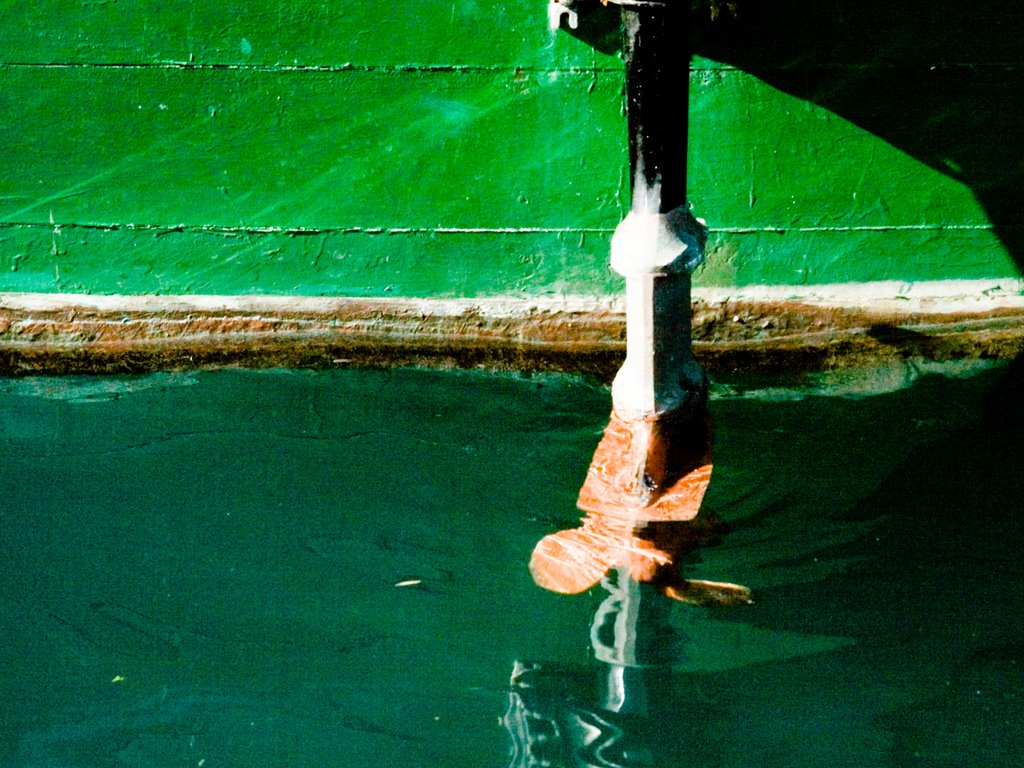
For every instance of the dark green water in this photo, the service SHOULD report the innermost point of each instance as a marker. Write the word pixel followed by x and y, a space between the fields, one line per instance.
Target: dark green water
pixel 201 569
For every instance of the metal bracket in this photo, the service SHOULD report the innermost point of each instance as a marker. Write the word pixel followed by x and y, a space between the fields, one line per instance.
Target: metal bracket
pixel 557 9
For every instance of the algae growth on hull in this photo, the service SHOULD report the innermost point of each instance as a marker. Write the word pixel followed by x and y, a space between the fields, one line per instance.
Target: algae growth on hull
pixel 270 568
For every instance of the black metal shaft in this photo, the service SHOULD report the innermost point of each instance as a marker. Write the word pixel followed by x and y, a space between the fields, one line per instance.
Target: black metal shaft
pixel 657 53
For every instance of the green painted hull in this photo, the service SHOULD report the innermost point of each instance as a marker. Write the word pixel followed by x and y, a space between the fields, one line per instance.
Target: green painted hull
pixel 457 150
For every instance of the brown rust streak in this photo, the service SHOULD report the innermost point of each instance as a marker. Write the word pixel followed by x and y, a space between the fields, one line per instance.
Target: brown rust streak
pixel 728 336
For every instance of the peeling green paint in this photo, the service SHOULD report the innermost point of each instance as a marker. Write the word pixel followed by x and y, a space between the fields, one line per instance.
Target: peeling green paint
pixel 279 33
pixel 812 169
pixel 311 149
pixel 797 257
pixel 403 263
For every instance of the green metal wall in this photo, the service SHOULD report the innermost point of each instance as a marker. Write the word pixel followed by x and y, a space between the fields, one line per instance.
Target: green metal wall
pixel 458 148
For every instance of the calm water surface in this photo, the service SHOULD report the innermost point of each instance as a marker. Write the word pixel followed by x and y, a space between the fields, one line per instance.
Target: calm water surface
pixel 330 569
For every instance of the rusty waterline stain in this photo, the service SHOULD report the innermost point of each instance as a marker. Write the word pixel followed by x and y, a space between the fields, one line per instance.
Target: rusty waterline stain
pixel 84 334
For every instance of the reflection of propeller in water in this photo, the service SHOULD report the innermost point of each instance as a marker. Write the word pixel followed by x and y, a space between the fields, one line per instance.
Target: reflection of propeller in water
pixel 648 539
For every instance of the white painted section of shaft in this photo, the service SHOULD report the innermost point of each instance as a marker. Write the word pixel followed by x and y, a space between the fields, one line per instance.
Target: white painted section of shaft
pixel 655 243
pixel 656 253
pixel 633 391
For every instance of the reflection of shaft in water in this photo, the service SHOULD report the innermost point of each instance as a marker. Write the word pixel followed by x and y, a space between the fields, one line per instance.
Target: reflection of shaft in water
pixel 559 717
pixel 609 714
pixel 648 541
pixel 632 629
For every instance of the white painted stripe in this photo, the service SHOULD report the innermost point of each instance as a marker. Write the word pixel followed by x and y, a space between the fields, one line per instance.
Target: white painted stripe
pixel 496 307
pixel 939 296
